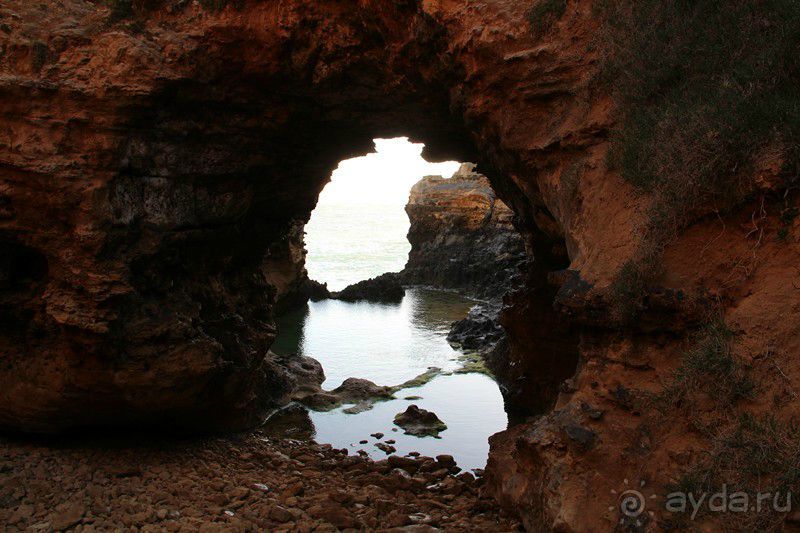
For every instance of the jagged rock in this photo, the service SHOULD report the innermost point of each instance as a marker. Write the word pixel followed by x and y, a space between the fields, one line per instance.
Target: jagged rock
pixel 292 421
pixel 419 422
pixel 306 372
pixel 317 291
pixel 383 288
pixel 284 268
pixel 479 331
pixel 462 236
pixel 154 157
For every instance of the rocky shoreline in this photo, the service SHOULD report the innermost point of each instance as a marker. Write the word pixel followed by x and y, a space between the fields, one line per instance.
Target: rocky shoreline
pixel 242 482
pixel 462 236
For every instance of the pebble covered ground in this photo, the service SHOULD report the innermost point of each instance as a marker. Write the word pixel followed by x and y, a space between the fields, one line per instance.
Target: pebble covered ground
pixel 246 482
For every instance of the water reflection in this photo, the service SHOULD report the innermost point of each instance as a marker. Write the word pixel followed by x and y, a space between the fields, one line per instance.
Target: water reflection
pixel 385 343
pixel 389 344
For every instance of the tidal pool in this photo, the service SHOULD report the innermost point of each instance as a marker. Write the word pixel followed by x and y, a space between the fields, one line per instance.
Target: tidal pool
pixel 390 344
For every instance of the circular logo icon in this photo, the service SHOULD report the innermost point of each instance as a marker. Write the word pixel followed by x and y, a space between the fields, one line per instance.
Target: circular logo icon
pixel 631 503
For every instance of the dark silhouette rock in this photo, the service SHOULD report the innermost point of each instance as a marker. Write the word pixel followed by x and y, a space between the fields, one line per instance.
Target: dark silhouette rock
pixel 317 291
pixel 384 288
pixel 479 331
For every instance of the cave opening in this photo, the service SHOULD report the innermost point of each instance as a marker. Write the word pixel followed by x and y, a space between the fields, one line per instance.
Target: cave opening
pixel 204 188
pixel 406 249
pixel 359 227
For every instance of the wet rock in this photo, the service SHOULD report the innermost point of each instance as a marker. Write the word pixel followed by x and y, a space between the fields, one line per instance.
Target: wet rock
pixel 419 422
pixel 385 448
pixel 360 407
pixel 446 461
pixel 378 435
pixel 462 236
pixel 293 421
pixel 306 372
pixel 466 477
pixel 384 288
pixel 479 331
pixel 407 464
pixel 358 390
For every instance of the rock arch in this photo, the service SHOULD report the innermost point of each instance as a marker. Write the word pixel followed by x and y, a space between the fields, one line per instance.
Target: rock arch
pixel 168 153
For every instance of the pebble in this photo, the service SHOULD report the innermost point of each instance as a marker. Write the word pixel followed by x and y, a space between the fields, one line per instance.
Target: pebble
pixel 242 483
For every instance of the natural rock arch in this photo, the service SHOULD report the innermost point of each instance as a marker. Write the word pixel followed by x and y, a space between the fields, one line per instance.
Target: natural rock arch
pixel 163 158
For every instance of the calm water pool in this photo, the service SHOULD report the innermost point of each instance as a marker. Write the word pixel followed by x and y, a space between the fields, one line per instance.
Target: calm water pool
pixel 390 344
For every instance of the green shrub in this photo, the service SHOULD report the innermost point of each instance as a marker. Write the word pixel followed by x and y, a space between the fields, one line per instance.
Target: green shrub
pixel 544 14
pixel 709 367
pixel 754 454
pixel 703 87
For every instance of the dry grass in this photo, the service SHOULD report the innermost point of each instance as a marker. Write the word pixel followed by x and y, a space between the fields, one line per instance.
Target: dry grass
pixel 704 87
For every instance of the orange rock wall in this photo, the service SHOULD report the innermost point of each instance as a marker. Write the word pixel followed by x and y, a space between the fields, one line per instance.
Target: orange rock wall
pixel 147 164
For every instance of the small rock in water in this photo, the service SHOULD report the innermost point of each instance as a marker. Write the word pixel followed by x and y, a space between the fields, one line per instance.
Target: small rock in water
pixel 363 441
pixel 390 441
pixel 385 448
pixel 377 435
pixel 419 422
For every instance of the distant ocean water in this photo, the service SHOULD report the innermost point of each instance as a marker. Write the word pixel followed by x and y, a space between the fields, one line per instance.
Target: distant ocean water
pixel 387 343
pixel 350 243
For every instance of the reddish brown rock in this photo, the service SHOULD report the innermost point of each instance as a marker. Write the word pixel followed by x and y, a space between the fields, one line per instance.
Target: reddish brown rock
pixel 153 161
pixel 462 236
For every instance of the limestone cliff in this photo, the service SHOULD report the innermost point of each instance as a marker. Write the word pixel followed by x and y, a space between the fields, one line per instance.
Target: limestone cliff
pixel 151 156
pixel 462 236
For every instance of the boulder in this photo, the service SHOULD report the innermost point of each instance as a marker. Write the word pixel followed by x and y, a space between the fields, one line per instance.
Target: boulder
pixel 419 422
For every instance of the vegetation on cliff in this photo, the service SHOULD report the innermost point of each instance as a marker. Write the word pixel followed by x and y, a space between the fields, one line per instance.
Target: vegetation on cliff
pixel 748 449
pixel 709 95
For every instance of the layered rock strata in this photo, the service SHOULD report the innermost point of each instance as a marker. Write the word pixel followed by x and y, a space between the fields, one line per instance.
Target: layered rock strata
pixel 151 156
pixel 462 236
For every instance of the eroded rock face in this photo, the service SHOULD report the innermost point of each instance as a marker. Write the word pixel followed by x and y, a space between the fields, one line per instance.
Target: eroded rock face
pixel 156 171
pixel 148 165
pixel 462 236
